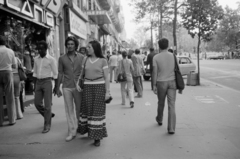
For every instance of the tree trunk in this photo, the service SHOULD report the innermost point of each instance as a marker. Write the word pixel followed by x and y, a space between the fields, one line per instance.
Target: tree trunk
pixel 175 26
pixel 198 65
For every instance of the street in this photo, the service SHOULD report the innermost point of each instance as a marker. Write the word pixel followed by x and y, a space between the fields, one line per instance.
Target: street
pixel 207 127
pixel 223 72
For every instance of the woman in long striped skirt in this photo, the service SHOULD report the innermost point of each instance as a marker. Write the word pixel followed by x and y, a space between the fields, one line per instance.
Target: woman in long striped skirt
pixel 95 92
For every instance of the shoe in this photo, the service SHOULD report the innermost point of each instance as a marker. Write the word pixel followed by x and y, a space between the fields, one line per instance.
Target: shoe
pixel 11 124
pixel 53 115
pixel 132 104
pixel 159 123
pixel 138 96
pixel 110 81
pixel 171 133
pixel 69 138
pixel 45 130
pixel 123 103
pixel 97 143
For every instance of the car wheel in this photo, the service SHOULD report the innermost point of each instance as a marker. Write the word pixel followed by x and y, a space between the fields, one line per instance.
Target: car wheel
pixel 146 78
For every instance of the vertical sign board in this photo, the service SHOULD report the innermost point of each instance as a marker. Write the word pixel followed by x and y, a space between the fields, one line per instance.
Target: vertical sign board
pixel 77 25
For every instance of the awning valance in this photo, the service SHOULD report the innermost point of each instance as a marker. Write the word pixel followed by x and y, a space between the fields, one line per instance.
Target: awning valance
pixel 99 17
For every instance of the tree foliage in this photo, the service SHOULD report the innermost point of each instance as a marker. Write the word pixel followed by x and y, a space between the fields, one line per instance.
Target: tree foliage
pixel 201 18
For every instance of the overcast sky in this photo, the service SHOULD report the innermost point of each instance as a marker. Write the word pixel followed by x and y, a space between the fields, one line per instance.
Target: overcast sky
pixel 130 26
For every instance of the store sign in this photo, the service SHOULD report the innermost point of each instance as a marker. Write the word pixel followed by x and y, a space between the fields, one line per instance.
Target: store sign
pixel 20 6
pixel 55 5
pixel 77 25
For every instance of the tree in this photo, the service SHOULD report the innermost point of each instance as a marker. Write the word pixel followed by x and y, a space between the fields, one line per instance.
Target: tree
pixel 201 19
pixel 230 28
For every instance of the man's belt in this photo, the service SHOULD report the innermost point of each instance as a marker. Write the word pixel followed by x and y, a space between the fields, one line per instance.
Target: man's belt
pixel 44 79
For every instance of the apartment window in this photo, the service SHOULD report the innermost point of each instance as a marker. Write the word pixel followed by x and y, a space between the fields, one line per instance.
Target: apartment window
pixel 89 4
pixel 79 3
pixel 94 5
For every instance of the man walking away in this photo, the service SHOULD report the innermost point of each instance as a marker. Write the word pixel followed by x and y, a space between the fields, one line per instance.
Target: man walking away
pixel 138 71
pixel 113 63
pixel 70 66
pixel 7 63
pixel 164 84
pixel 45 68
pixel 150 62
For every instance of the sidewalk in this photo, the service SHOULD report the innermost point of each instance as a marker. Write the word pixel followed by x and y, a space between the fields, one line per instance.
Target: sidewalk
pixel 208 118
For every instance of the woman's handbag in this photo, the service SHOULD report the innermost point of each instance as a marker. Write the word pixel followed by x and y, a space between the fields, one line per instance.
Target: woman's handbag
pixel 82 76
pixel 179 80
pixel 21 71
pixel 122 76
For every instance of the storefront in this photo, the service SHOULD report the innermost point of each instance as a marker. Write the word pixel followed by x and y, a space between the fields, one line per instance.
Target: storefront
pixel 25 22
pixel 76 22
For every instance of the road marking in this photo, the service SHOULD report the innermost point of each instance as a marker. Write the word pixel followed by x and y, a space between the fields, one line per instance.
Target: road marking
pixel 224 77
pixel 221 98
pixel 210 99
pixel 205 99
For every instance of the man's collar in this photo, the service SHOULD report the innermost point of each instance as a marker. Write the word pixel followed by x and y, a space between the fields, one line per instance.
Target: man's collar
pixel 47 56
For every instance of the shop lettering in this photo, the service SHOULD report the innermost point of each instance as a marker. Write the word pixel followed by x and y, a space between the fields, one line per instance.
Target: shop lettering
pixel 77 26
pixel 19 5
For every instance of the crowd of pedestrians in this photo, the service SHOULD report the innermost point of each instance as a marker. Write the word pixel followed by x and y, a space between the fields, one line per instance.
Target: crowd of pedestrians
pixel 85 105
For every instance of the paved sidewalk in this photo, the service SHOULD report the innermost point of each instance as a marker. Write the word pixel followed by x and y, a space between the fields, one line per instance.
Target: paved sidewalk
pixel 208 118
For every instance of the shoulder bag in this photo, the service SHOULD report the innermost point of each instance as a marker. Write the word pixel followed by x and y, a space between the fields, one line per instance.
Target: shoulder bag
pixel 82 75
pixel 122 76
pixel 179 80
pixel 21 71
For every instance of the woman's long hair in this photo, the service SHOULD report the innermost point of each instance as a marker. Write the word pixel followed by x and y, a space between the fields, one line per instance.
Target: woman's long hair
pixel 97 49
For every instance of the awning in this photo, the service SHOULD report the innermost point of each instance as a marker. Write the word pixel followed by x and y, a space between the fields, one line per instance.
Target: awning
pixel 100 17
pixel 105 29
pixel 22 16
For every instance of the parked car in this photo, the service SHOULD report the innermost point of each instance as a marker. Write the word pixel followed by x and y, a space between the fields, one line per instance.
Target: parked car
pixel 185 64
pixel 215 56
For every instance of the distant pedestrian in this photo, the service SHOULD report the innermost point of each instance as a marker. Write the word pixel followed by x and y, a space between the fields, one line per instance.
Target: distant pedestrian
pixel 164 84
pixel 138 71
pixel 17 86
pixel 150 62
pixel 96 90
pixel 83 51
pixel 108 55
pixel 7 63
pixel 125 65
pixel 113 63
pixel 45 68
pixel 69 69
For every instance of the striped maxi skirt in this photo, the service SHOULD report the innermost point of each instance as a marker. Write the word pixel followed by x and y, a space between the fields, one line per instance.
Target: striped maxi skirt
pixel 93 112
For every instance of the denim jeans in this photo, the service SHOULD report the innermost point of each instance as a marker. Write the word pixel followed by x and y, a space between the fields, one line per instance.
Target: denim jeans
pixel 6 87
pixel 72 110
pixel 113 69
pixel 167 89
pixel 129 89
